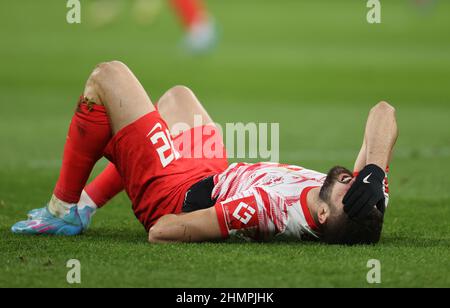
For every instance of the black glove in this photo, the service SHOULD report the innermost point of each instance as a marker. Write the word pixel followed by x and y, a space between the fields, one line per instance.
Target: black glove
pixel 365 193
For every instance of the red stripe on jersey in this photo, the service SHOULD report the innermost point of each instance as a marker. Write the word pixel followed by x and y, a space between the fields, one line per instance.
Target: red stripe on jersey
pixel 277 214
pixel 255 180
pixel 305 208
pixel 290 167
pixel 266 203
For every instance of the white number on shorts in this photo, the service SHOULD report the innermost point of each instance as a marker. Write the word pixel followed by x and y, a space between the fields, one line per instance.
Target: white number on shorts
pixel 165 147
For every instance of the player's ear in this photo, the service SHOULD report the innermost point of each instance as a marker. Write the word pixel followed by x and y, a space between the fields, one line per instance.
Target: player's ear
pixel 323 213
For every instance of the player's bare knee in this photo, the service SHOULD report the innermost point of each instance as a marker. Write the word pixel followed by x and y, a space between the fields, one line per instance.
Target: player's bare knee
pixel 98 76
pixel 103 75
pixel 108 70
pixel 92 90
pixel 174 98
pixel 384 107
pixel 180 91
pixel 115 67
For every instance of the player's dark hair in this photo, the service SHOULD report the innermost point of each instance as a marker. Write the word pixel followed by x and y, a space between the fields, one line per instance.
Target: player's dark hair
pixel 340 229
pixel 345 231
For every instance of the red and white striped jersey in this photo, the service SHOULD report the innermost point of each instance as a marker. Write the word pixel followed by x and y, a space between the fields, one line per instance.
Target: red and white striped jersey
pixel 265 200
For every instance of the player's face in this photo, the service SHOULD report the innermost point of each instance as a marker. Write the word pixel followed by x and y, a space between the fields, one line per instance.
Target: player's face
pixel 343 183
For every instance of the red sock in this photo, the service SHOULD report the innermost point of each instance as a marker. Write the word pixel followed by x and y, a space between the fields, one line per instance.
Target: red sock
pixel 88 136
pixel 105 186
pixel 189 11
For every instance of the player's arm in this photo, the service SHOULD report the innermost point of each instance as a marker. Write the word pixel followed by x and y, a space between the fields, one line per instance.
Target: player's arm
pixel 361 160
pixel 380 135
pixel 198 226
pixel 379 139
pixel 380 112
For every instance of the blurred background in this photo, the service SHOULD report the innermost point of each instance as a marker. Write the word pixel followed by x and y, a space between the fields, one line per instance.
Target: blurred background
pixel 315 67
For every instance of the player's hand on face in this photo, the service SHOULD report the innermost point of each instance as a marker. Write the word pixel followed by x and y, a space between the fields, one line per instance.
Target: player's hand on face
pixel 365 193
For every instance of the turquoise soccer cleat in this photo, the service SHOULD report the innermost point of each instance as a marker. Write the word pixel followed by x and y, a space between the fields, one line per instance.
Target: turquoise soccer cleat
pixel 85 215
pixel 36 213
pixel 41 221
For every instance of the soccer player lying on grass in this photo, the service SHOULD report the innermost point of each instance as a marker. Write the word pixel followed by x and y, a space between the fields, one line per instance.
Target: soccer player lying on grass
pixel 182 199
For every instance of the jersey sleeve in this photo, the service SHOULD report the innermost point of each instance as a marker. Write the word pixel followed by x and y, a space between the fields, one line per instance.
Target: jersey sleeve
pixel 253 214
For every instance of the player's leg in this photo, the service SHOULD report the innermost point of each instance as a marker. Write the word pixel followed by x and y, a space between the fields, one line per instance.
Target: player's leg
pixel 89 132
pixel 117 88
pixel 103 188
pixel 111 85
pixel 195 134
pixel 180 105
pixel 99 192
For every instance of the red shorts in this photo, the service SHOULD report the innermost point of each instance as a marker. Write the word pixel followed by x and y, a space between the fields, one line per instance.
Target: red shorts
pixel 157 174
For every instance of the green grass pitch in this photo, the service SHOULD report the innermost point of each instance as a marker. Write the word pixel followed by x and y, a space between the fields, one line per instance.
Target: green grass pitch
pixel 315 67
